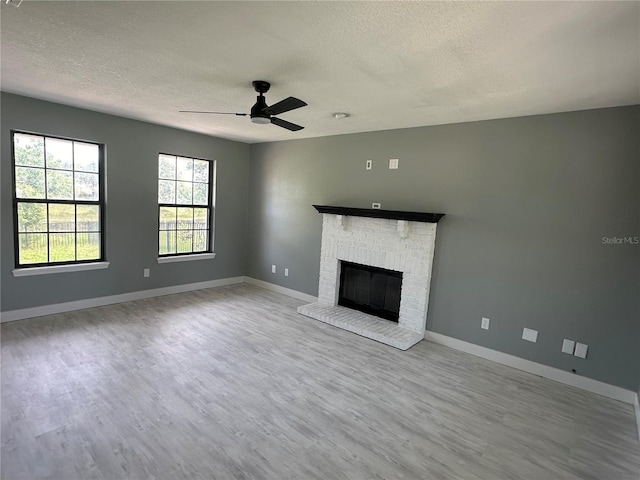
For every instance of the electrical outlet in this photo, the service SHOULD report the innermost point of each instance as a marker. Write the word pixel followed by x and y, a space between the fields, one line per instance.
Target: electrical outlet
pixel 286 272
pixel 568 346
pixel 530 335
pixel 485 323
pixel 273 269
pixel 145 272
pixel 393 163
pixel 376 205
pixel 369 164
pixel 581 350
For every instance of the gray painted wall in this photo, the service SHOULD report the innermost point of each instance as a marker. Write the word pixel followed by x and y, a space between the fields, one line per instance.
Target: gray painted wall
pixel 528 201
pixel 131 164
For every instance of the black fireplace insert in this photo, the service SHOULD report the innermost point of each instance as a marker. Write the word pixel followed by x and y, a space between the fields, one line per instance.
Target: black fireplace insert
pixel 370 290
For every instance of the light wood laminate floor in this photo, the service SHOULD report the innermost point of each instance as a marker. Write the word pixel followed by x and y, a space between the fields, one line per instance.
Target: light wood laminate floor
pixel 231 383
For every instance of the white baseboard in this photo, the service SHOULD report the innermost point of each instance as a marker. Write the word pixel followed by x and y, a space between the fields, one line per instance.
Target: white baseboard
pixel 568 378
pixel 11 315
pixel 285 291
pixel 637 409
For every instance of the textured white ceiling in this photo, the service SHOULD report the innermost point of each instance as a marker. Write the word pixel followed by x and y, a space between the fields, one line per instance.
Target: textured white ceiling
pixel 388 64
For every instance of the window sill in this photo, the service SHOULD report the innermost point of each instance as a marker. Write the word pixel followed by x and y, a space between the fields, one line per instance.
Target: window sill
pixel 187 258
pixel 79 267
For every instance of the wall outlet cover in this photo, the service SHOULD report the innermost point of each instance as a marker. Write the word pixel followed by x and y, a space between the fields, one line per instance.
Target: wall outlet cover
pixel 485 323
pixel 581 350
pixel 369 164
pixel 568 346
pixel 393 163
pixel 286 272
pixel 273 269
pixel 146 272
pixel 376 205
pixel 530 335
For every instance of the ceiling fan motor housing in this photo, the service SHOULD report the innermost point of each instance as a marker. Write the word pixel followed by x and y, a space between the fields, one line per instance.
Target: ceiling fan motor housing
pixel 258 114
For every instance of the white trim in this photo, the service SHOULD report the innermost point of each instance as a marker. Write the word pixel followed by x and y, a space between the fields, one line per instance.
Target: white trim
pixel 636 406
pixel 12 315
pixel 187 258
pixel 277 288
pixel 76 267
pixel 568 378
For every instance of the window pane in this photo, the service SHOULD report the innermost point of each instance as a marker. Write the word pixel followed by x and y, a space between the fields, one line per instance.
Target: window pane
pixel 167 218
pixel 167 191
pixel 32 248
pixel 185 169
pixel 185 238
pixel 62 247
pixel 200 218
pixel 184 228
pixel 88 245
pixel 86 186
pixel 30 182
pixel 184 193
pixel 200 243
pixel 32 217
pixel 167 242
pixel 85 157
pixel 57 172
pixel 59 153
pixel 29 150
pixel 200 171
pixel 62 218
pixel 167 167
pixel 59 185
pixel 185 218
pixel 87 218
pixel 200 194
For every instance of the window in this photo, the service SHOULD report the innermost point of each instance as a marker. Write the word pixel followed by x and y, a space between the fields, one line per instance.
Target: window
pixel 58 200
pixel 185 205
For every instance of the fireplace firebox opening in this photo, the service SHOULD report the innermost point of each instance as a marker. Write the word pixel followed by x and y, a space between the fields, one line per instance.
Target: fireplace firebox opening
pixel 371 290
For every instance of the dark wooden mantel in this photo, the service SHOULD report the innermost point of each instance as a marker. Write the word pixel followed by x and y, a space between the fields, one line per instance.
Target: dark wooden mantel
pixel 377 213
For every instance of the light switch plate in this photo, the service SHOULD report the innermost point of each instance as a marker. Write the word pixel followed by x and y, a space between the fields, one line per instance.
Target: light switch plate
pixel 568 346
pixel 485 323
pixel 530 335
pixel 581 350
pixel 393 163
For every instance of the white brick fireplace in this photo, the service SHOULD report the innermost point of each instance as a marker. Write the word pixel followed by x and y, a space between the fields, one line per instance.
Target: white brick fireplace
pixel 400 241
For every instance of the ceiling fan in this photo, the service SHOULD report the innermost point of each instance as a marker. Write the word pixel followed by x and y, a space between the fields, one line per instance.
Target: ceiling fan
pixel 262 113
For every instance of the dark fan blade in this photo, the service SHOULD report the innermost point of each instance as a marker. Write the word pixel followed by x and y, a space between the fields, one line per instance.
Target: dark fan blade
pixel 285 105
pixel 284 124
pixel 215 113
